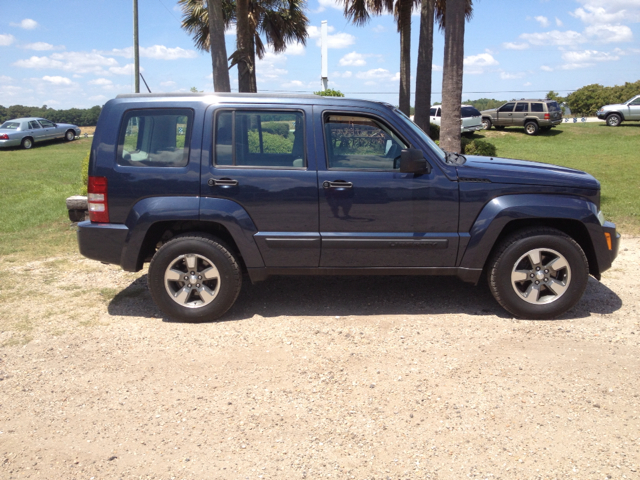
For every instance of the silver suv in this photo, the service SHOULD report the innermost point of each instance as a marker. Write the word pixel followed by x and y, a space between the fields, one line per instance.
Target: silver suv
pixel 533 115
pixel 614 115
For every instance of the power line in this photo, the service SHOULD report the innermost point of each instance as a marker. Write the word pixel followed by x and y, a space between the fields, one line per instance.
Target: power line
pixel 433 93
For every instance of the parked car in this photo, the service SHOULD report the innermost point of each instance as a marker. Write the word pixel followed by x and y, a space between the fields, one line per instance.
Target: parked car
pixel 533 115
pixel 471 120
pixel 614 115
pixel 26 132
pixel 197 185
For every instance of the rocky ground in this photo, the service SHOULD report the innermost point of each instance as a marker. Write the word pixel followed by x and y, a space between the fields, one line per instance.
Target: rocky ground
pixel 365 378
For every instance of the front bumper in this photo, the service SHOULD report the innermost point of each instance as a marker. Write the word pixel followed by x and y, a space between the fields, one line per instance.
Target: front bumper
pixel 613 239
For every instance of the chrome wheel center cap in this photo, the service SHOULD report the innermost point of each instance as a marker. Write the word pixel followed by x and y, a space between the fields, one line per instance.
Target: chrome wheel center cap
pixel 540 275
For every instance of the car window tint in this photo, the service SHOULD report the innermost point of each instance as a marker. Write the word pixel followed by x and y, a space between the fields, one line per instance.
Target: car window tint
pixel 33 124
pixel 553 106
pixel 260 139
pixel 155 138
pixel 635 102
pixel 522 107
pixel 537 107
pixel 46 123
pixel 439 112
pixel 361 143
pixel 466 112
pixel 508 107
pixel 432 112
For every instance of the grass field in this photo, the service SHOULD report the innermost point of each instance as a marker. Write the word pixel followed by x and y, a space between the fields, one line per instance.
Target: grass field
pixel 612 155
pixel 35 183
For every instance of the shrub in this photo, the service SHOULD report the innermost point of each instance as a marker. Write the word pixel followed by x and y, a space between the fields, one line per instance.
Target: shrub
pixel 270 143
pixel 329 92
pixel 478 147
pixel 276 128
pixel 85 174
pixel 434 131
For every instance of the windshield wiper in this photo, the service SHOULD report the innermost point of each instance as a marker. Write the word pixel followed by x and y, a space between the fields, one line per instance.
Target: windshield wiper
pixel 454 158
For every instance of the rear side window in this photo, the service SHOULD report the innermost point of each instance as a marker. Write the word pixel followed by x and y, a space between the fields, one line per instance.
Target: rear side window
pixel 155 138
pixel 537 107
pixel 258 139
pixel 466 112
pixel 522 107
pixel 507 107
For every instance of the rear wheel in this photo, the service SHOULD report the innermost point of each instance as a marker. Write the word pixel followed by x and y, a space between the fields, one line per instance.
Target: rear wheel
pixel 27 143
pixel 614 120
pixel 486 123
pixel 531 128
pixel 194 278
pixel 538 273
pixel 70 135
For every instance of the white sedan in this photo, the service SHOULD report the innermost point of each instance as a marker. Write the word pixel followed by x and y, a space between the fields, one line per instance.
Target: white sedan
pixel 471 117
pixel 27 131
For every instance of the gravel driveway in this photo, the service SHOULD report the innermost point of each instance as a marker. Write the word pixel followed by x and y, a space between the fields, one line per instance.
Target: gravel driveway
pixel 351 377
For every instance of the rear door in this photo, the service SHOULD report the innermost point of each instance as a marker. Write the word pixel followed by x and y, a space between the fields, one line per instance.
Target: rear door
pixel 520 112
pixel 505 114
pixel 259 157
pixel 371 215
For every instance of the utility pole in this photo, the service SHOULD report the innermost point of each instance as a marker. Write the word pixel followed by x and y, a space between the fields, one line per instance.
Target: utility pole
pixel 136 55
pixel 325 61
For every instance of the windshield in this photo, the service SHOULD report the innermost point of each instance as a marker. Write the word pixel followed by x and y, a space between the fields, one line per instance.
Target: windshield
pixel 425 138
pixel 10 125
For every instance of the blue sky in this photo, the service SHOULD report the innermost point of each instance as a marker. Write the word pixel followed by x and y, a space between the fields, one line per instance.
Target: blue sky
pixel 78 53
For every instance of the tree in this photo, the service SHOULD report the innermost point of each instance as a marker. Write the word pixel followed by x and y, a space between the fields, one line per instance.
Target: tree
pixel 587 100
pixel 218 47
pixel 452 75
pixel 359 12
pixel 280 21
pixel 431 11
pixel 329 92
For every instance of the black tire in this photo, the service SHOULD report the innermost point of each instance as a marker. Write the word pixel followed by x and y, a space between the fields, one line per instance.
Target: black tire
pixel 614 120
pixel 70 135
pixel 27 143
pixel 486 123
pixel 205 301
pixel 531 128
pixel 513 260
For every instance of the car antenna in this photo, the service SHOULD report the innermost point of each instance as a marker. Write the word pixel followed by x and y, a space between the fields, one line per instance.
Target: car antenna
pixel 145 82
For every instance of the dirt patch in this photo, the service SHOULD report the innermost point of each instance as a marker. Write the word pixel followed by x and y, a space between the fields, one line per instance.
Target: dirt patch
pixel 398 377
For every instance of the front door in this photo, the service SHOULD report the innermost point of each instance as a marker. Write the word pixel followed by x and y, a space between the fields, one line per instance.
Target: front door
pixel 634 109
pixel 505 114
pixel 371 215
pixel 260 159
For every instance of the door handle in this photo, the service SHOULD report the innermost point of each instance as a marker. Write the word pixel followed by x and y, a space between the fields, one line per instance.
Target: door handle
pixel 337 184
pixel 223 182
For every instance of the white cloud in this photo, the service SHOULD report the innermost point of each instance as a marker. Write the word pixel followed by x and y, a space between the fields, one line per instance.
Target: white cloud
pixel 511 76
pixel 353 59
pixel 42 46
pixel 98 98
pixel 379 29
pixel 101 82
pixel 27 24
pixel 6 39
pixel 329 4
pixel 575 66
pixel 296 49
pixel 610 33
pixel 339 40
pixel 554 37
pixel 558 22
pixel 125 70
pixel 527 84
pixel 436 68
pixel 57 80
pixel 293 84
pixel 314 32
pixel 476 64
pixel 546 68
pixel 377 74
pixel 169 83
pixel 544 21
pixel 597 15
pixel 5 79
pixel 76 62
pixel 345 74
pixel 157 52
pixel 515 46
pixel 587 56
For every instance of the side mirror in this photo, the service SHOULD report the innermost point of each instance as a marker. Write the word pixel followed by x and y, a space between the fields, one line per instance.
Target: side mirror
pixel 412 161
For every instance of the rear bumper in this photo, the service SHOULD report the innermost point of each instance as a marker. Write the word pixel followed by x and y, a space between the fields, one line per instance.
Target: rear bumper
pixel 10 143
pixel 103 242
pixel 473 128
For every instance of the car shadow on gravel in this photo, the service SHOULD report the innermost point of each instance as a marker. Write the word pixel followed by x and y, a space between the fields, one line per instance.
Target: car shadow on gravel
pixel 344 296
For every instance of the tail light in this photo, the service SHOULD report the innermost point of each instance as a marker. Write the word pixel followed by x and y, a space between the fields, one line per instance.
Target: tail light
pixel 97 199
pixel 547 116
pixel 4 136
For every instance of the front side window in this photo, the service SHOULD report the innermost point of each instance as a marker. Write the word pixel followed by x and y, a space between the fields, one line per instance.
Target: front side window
pixel 635 101
pixel 46 123
pixel 507 107
pixel 361 143
pixel 269 139
pixel 537 107
pixel 433 111
pixel 155 138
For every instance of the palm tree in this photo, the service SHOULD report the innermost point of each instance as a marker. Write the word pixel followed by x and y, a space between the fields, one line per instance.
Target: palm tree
pixel 280 21
pixel 218 47
pixel 360 11
pixel 431 11
pixel 452 74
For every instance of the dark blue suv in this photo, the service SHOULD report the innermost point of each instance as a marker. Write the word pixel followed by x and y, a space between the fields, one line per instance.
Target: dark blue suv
pixel 208 187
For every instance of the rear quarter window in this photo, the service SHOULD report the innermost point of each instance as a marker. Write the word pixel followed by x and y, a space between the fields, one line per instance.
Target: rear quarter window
pixel 537 107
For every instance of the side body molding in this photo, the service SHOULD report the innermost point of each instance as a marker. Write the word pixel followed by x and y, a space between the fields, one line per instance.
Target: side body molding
pixel 497 213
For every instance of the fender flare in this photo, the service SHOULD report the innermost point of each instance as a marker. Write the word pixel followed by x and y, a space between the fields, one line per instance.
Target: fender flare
pixel 152 210
pixel 500 211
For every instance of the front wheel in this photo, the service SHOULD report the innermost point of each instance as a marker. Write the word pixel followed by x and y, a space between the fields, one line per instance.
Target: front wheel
pixel 70 135
pixel 538 273
pixel 614 120
pixel 194 278
pixel 486 123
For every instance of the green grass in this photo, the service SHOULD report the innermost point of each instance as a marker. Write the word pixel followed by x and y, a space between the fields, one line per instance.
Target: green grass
pixel 612 155
pixel 33 187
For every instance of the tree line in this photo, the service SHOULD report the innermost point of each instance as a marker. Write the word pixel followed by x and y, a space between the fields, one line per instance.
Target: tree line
pixel 587 100
pixel 84 117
